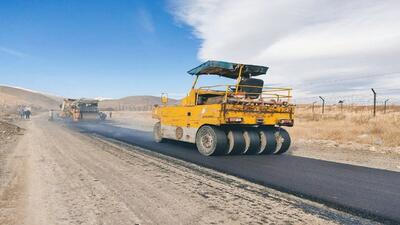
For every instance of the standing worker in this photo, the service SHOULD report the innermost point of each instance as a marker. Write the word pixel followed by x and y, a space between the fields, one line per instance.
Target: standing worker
pixel 27 113
pixel 110 114
pixel 21 112
pixel 51 115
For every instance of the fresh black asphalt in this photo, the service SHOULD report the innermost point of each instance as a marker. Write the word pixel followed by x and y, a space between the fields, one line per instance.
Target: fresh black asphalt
pixel 372 193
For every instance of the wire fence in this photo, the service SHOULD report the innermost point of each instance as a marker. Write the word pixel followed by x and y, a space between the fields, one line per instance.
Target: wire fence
pixel 377 100
pixel 351 90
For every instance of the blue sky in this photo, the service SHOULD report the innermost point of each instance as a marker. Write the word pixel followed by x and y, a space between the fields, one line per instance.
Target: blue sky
pixel 95 48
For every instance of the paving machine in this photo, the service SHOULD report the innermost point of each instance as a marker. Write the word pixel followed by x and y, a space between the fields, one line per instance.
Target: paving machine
pixel 81 109
pixel 244 118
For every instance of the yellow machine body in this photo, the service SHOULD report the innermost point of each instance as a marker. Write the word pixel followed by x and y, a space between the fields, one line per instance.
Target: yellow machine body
pixel 181 122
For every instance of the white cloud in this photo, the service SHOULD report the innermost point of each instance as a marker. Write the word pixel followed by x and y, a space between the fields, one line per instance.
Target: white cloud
pixel 303 41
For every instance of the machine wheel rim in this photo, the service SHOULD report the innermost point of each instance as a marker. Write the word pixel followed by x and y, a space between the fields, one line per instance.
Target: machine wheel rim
pixel 279 141
pixel 247 142
pixel 206 141
pixel 263 142
pixel 231 143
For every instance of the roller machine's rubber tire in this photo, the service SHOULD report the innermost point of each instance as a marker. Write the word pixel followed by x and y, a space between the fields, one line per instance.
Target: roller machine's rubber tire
pixel 285 140
pixel 236 142
pixel 157 133
pixel 211 140
pixel 268 141
pixel 252 140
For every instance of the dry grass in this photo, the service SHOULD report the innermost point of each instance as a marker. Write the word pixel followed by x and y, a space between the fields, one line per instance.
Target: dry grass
pixel 356 124
pixel 353 124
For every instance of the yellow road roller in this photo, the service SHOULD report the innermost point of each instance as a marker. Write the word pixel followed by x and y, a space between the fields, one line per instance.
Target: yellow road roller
pixel 244 118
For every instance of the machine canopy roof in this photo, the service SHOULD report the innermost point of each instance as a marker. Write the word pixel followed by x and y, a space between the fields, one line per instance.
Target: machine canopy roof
pixel 86 101
pixel 227 69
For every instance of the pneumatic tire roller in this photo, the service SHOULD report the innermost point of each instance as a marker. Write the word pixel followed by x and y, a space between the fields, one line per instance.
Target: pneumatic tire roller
pixel 245 118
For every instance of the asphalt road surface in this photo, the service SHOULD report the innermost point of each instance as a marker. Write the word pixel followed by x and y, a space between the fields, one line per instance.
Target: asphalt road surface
pixel 372 193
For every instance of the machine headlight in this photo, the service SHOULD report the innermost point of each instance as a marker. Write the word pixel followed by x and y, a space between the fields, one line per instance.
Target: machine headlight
pixel 286 122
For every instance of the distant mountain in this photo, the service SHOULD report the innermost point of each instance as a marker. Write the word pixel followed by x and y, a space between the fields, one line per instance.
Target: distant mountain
pixel 134 103
pixel 12 97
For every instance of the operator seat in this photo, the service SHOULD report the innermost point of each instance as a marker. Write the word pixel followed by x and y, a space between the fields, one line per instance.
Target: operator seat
pixel 255 90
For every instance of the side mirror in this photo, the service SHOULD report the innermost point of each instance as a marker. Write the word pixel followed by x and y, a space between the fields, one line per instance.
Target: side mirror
pixel 164 98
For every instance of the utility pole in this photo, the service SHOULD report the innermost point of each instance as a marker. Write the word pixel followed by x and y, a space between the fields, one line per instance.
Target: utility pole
pixel 323 104
pixel 384 110
pixel 373 91
pixel 341 105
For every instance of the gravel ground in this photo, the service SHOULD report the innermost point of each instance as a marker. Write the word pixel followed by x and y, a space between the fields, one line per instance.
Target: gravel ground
pixel 53 175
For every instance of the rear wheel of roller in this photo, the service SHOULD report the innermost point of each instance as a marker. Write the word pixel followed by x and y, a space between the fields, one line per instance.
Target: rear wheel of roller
pixel 268 141
pixel 283 140
pixel 236 142
pixel 252 140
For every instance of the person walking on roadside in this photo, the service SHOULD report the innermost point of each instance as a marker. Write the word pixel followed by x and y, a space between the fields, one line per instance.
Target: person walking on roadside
pixel 110 115
pixel 51 115
pixel 28 114
pixel 21 112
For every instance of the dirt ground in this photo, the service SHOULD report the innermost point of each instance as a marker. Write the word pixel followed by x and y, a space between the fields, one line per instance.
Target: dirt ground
pixel 52 175
pixel 8 132
pixel 368 155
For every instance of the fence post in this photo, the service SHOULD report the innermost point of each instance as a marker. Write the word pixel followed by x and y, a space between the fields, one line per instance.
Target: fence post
pixel 313 107
pixel 341 105
pixel 323 104
pixel 384 110
pixel 313 110
pixel 373 91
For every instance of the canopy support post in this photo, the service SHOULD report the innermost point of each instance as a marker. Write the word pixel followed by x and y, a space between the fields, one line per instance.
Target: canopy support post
pixel 239 78
pixel 195 81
